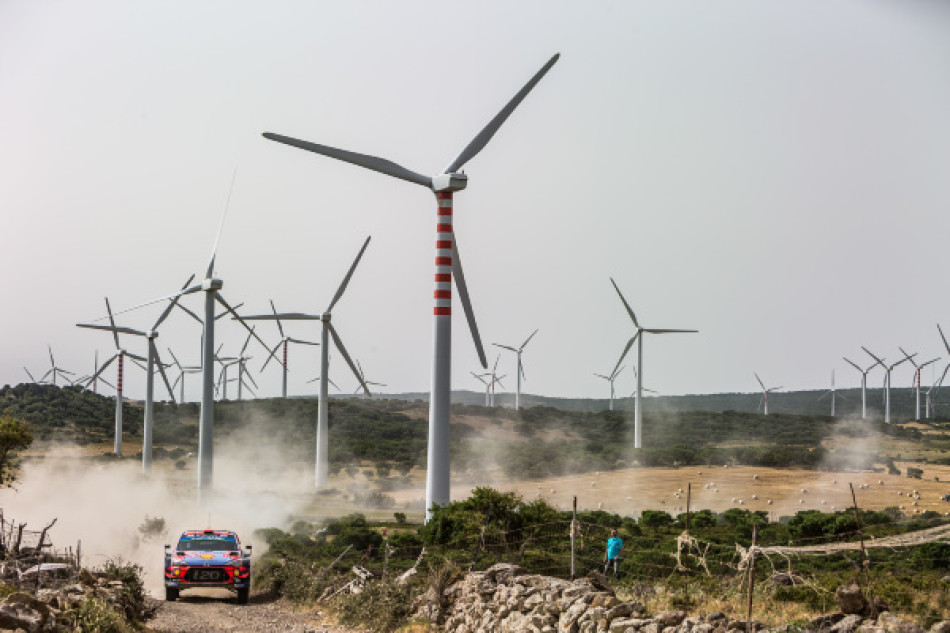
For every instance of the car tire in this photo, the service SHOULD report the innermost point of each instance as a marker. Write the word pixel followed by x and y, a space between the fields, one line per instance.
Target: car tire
pixel 243 595
pixel 171 594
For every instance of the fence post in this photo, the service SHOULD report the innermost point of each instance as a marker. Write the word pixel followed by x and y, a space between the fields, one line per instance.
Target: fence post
pixel 748 625
pixel 574 541
pixel 79 554
pixel 689 491
pixel 385 552
pixel 864 553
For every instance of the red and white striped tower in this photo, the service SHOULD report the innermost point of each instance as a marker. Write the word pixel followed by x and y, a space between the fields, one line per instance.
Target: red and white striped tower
pixel 438 470
pixel 284 384
pixel 117 446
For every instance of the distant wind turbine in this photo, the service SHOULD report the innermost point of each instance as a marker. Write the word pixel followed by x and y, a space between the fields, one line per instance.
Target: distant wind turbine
pixel 832 392
pixel 182 370
pixel 55 371
pixel 864 385
pixel 916 385
pixel 285 341
pixel 364 384
pixel 519 372
pixel 610 379
pixel 764 401
pixel 638 337
pixel 447 266
pixel 887 381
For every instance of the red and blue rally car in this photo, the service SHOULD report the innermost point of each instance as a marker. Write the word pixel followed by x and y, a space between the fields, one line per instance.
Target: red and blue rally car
pixel 208 558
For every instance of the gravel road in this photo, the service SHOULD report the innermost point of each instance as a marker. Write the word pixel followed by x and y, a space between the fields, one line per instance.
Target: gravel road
pixel 215 611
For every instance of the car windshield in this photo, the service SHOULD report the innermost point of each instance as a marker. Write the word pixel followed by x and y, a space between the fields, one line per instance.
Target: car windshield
pixel 207 544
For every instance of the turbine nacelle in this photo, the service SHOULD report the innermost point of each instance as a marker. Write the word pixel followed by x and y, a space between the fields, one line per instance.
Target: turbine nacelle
pixel 325 317
pixel 212 284
pixel 449 182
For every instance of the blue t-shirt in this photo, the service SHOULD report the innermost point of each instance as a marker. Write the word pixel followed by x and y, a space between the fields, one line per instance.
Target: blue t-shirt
pixel 614 545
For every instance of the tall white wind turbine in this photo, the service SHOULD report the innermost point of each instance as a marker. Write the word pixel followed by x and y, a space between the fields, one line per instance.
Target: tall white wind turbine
pixel 887 381
pixel 55 371
pixel 610 379
pixel 864 385
pixel 153 360
pixel 519 371
pixel 322 463
pixel 447 266
pixel 917 369
pixel 638 337
pixel 764 401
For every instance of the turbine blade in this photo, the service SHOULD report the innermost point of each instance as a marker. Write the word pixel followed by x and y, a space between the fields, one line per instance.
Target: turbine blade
pixel 286 316
pixel 671 331
pixel 161 370
pixel 32 379
pixel 246 341
pixel 168 309
pixel 625 304
pixel 505 347
pixel 853 365
pixel 528 340
pixel 346 357
pixel 186 291
pixel 221 300
pixel 51 361
pixel 297 340
pixel 190 313
pixel 115 333
pixel 374 163
pixel 466 303
pixel 248 375
pixel 945 344
pixel 102 369
pixel 175 358
pixel 272 355
pixel 113 329
pixel 759 379
pixel 479 142
pixel 349 274
pixel 880 361
pixel 626 349
pixel 280 328
pixel 217 238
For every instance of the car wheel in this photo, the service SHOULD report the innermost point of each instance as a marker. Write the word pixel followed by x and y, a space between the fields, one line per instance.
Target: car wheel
pixel 171 594
pixel 243 595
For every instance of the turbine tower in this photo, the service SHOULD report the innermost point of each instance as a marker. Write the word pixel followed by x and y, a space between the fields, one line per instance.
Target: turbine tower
pixel 322 463
pixel 638 336
pixel 519 371
pixel 611 378
pixel 832 392
pixel 864 385
pixel 887 381
pixel 482 379
pixel 764 402
pixel 916 385
pixel 182 370
pixel 153 359
pixel 447 266
pixel 285 341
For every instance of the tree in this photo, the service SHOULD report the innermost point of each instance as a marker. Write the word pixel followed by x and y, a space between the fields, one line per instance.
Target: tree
pixel 14 436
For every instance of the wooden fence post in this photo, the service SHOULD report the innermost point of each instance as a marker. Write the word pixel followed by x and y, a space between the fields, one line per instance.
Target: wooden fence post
pixel 748 626
pixel 574 541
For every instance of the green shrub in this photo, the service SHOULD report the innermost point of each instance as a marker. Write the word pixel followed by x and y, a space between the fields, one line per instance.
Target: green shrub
pixel 96 615
pixel 381 606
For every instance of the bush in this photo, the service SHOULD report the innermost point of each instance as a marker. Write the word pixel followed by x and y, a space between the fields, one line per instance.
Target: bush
pixel 381 606
pixel 95 614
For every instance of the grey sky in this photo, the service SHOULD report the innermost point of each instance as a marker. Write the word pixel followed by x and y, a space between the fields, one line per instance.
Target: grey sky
pixel 772 174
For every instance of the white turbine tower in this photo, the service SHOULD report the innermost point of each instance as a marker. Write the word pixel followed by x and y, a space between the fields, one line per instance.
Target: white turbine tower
pixel 611 378
pixel 285 341
pixel 887 381
pixel 638 336
pixel 764 401
pixel 864 385
pixel 447 266
pixel 519 371
pixel 832 392
pixel 322 463
pixel 153 360
pixel 917 369
pixel 482 379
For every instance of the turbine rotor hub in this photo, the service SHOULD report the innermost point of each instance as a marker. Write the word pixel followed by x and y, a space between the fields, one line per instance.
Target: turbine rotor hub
pixel 449 182
pixel 212 284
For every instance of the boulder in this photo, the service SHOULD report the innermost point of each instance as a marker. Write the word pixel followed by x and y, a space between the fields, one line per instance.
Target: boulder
pixel 850 599
pixel 847 624
pixel 890 623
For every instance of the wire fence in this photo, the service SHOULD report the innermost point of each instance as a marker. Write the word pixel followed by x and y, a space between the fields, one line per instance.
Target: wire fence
pixel 29 560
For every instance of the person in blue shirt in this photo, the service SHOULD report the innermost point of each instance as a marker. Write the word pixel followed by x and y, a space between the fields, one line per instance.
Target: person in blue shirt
pixel 612 557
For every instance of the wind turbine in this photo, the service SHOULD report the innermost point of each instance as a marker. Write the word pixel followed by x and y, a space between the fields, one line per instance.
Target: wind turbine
pixel 32 379
pixel 887 381
pixel 211 287
pixel 832 392
pixel 55 371
pixel 611 378
pixel 364 384
pixel 182 370
pixel 153 359
pixel 638 406
pixel 765 394
pixel 482 379
pixel 916 385
pixel 242 370
pixel 447 266
pixel 120 355
pixel 322 463
pixel 94 378
pixel 285 341
pixel 519 371
pixel 864 385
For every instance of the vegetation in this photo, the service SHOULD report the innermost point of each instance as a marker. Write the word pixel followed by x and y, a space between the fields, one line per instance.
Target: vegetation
pixel 14 436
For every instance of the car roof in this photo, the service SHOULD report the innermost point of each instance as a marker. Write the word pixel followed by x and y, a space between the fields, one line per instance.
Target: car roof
pixel 189 534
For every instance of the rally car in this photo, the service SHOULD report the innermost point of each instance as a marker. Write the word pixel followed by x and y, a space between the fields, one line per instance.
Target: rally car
pixel 208 558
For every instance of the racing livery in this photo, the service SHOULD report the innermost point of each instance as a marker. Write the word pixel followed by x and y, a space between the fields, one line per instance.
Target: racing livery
pixel 208 558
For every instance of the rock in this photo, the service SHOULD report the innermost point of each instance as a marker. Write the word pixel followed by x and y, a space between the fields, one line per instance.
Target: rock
pixel 850 599
pixel 785 579
pixel 599 581
pixel 743 625
pixel 670 618
pixel 622 625
pixel 940 627
pixel 715 616
pixel 625 609
pixel 890 623
pixel 847 624
pixel 880 605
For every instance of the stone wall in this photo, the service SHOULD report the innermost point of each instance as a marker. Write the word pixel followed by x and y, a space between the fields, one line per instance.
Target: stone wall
pixel 505 598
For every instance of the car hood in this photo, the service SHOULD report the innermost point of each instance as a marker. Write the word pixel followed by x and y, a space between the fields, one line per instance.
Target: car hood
pixel 205 559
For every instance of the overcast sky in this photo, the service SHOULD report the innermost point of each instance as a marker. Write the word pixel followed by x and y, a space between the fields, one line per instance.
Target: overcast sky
pixel 773 174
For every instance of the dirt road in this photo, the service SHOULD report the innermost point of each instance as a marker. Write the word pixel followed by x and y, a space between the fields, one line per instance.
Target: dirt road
pixel 215 611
